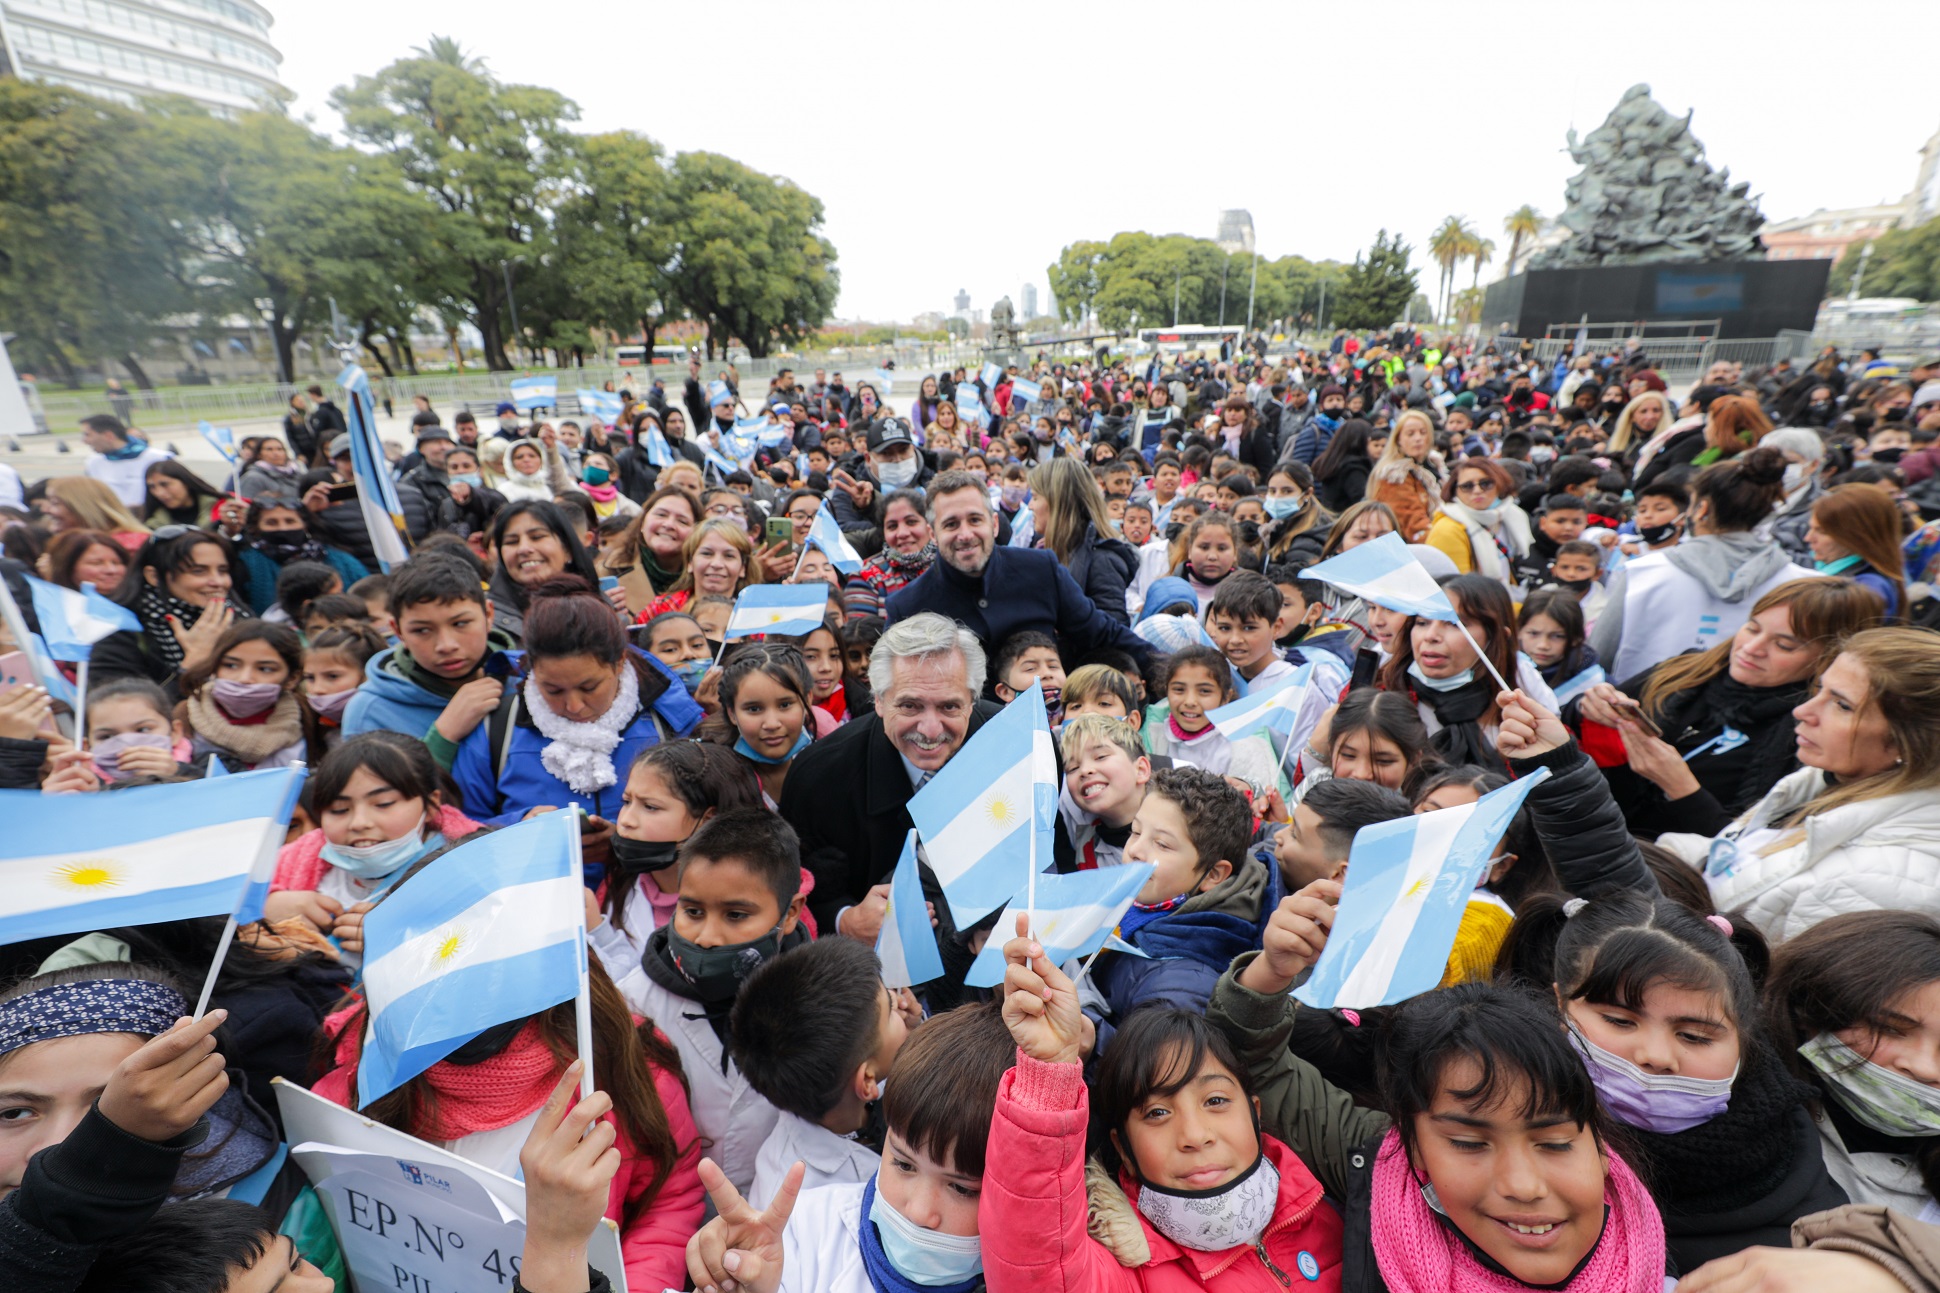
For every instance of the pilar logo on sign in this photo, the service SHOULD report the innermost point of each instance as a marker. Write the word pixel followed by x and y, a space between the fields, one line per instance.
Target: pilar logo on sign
pixel 421 1177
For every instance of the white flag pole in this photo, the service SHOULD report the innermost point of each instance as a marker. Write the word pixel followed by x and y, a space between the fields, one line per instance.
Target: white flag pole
pixel 215 967
pixel 1483 656
pixel 583 1002
pixel 81 703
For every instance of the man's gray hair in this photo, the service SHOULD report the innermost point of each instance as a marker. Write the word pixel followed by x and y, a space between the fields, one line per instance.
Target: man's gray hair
pixel 951 482
pixel 921 637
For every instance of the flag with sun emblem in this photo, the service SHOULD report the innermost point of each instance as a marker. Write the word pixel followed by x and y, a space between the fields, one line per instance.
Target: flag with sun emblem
pixel 788 609
pixel 1076 915
pixel 492 931
pixel 976 815
pixel 70 863
pixel 1408 883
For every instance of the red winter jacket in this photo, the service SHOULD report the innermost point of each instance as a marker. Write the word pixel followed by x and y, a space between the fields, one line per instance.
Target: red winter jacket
pixel 1034 1209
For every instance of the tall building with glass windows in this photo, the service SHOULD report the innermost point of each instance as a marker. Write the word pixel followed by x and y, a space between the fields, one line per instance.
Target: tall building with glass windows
pixel 216 52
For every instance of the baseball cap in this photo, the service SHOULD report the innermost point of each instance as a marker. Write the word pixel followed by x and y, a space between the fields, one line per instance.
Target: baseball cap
pixel 431 433
pixel 507 407
pixel 886 432
pixel 339 446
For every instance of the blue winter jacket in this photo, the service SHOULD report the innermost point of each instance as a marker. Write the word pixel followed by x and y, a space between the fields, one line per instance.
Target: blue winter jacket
pixel 1190 947
pixel 500 796
pixel 388 701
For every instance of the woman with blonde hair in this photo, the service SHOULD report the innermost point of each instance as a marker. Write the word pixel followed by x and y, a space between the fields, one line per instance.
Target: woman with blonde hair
pixel 1408 475
pixel 1642 418
pixel 1726 712
pixel 717 560
pixel 1068 509
pixel 80 503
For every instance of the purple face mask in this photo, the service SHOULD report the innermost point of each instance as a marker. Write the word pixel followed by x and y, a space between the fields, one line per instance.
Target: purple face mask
pixel 1659 1102
pixel 245 699
pixel 107 754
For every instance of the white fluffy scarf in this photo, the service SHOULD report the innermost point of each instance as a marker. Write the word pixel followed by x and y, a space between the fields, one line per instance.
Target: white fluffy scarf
pixel 1482 530
pixel 581 754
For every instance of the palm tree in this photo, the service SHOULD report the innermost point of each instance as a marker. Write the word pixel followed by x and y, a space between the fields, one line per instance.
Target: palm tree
pixel 1448 245
pixel 1523 223
pixel 1480 249
pixel 447 50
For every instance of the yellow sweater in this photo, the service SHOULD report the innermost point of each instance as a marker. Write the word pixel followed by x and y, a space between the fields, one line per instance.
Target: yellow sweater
pixel 1485 924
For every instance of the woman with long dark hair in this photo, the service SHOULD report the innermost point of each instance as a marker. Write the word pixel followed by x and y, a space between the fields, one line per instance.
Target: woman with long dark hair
pixel 534 543
pixel 178 496
pixel 1435 663
pixel 1340 473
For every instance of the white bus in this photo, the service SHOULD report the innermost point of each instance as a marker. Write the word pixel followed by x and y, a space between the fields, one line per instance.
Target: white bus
pixel 634 356
pixel 1189 337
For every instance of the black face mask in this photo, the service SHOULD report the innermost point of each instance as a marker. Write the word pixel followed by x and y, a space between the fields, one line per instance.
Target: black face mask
pixel 1173 529
pixel 716 973
pixel 1292 639
pixel 1578 586
pixel 1249 531
pixel 1887 455
pixel 637 857
pixel 1655 534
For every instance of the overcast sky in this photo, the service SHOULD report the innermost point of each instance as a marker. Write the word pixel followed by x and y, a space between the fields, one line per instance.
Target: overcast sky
pixel 962 145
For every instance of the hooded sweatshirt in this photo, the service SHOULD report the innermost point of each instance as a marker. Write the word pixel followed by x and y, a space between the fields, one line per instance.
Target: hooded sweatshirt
pixel 1189 947
pixel 400 695
pixel 1694 595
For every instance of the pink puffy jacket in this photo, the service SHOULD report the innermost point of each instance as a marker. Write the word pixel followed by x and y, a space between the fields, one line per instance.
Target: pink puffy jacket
pixel 1034 1208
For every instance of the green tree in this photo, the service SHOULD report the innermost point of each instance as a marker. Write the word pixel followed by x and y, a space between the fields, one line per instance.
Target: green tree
pixel 83 235
pixel 1905 262
pixel 615 234
pixel 1075 279
pixel 493 157
pixel 1480 250
pixel 1522 224
pixel 275 221
pixel 1377 287
pixel 748 257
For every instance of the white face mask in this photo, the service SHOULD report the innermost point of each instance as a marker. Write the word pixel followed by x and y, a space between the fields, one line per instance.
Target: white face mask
pixel 1454 682
pixel 898 475
pixel 1211 1221
pixel 1794 476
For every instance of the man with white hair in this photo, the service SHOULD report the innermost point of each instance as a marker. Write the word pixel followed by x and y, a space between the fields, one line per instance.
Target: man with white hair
pixel 847 794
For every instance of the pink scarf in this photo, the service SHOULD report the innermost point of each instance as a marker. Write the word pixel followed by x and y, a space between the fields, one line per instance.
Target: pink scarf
pixel 601 493
pixel 1417 1254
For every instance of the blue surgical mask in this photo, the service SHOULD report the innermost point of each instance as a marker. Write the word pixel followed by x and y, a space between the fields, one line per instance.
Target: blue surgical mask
pixel 1454 682
pixel 375 861
pixel 471 478
pixel 1281 508
pixel 742 748
pixel 924 1256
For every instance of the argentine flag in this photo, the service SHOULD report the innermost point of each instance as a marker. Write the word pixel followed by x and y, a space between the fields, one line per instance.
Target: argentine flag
pixel 1292 709
pixel 970 403
pixel 1384 572
pixel 884 381
pixel 827 535
pixel 376 488
pixel 604 405
pixel 719 393
pixel 1076 914
pixel 990 375
pixel 529 393
pixel 1566 693
pixel 719 461
pixel 70 863
pixel 492 931
pixel 221 439
pixel 1028 392
pixel 659 452
pixel 978 813
pixel 907 945
pixel 788 609
pixel 71 623
pixel 1408 883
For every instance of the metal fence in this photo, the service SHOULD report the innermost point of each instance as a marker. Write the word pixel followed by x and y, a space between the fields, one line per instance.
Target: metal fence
pixel 167 407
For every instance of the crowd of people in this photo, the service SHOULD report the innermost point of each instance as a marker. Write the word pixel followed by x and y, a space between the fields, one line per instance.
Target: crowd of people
pixel 1689 1030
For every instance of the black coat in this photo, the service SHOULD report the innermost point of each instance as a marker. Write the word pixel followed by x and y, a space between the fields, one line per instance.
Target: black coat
pixel 1581 827
pixel 1104 568
pixel 1674 459
pixel 1346 487
pixel 1020 588
pixel 847 796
